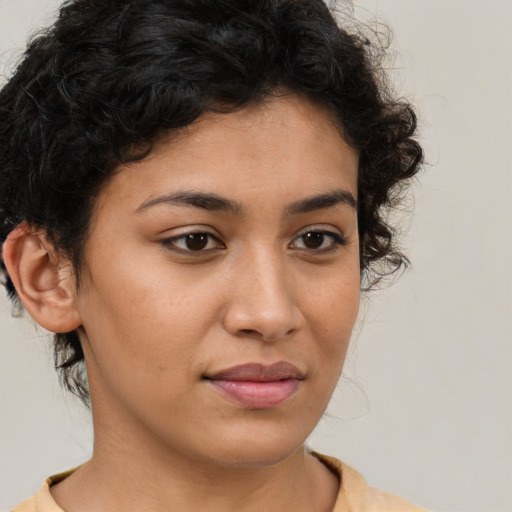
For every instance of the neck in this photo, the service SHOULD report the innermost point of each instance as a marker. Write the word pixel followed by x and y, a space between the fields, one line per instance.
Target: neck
pixel 300 483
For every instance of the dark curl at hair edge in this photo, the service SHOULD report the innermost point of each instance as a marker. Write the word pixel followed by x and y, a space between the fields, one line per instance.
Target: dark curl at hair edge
pixel 111 79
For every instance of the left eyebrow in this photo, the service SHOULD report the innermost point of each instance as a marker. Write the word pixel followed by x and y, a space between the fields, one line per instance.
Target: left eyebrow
pixel 322 201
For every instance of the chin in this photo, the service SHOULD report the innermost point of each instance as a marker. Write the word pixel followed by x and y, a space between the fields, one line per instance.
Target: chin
pixel 259 447
pixel 260 456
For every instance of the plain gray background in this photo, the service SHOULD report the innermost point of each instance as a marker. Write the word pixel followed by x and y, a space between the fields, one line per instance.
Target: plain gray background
pixel 425 407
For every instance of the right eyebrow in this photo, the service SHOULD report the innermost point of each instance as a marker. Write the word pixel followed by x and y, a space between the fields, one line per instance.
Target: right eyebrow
pixel 206 201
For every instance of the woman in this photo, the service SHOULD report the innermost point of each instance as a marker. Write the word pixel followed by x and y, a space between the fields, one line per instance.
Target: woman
pixel 193 195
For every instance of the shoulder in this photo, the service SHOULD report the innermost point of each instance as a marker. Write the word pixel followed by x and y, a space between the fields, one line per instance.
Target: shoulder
pixel 42 501
pixel 357 496
pixel 27 506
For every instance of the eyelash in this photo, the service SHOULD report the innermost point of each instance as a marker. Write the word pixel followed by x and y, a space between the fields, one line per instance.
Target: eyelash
pixel 337 239
pixel 171 242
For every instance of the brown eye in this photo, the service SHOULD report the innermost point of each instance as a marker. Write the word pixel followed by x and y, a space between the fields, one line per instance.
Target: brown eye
pixel 196 241
pixel 193 242
pixel 313 239
pixel 319 241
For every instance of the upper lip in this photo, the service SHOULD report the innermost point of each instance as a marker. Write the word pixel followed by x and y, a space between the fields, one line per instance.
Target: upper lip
pixel 259 372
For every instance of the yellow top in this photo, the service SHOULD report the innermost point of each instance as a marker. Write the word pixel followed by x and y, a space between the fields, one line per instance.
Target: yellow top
pixel 354 494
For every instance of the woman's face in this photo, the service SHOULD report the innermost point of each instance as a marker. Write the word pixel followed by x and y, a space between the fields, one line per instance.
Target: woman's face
pixel 221 285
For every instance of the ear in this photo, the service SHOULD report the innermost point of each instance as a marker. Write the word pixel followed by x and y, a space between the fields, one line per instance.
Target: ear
pixel 45 284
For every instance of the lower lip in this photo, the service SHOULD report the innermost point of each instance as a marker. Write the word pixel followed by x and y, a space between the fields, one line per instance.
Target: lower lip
pixel 258 395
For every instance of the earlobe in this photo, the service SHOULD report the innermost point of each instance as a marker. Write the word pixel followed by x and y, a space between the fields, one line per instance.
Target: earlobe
pixel 45 284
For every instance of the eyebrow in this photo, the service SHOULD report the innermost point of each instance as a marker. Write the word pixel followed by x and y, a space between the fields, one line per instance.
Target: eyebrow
pixel 207 201
pixel 322 201
pixel 214 202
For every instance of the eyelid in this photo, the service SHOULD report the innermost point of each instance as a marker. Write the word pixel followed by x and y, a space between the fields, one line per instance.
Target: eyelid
pixel 169 242
pixel 320 228
pixel 339 239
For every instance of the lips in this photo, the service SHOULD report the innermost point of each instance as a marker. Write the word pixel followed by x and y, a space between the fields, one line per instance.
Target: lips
pixel 258 386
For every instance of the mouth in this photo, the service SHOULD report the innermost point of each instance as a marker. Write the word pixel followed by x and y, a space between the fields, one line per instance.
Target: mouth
pixel 258 386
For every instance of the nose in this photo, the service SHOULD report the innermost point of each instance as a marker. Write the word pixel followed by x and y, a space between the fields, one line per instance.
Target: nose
pixel 262 299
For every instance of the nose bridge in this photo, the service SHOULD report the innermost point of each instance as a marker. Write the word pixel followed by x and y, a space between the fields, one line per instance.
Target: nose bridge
pixel 263 299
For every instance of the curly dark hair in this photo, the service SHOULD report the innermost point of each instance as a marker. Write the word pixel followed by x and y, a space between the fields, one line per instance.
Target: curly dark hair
pixel 109 79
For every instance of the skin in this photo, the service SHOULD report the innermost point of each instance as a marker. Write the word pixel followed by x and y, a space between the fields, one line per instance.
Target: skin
pixel 156 317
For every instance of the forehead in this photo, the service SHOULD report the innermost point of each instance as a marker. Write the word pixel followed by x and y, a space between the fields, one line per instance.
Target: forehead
pixel 287 144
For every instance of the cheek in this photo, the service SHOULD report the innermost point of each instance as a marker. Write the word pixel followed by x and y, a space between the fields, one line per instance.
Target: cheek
pixel 333 310
pixel 333 294
pixel 149 318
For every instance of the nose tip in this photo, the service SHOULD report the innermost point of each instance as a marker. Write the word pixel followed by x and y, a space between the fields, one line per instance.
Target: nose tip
pixel 269 326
